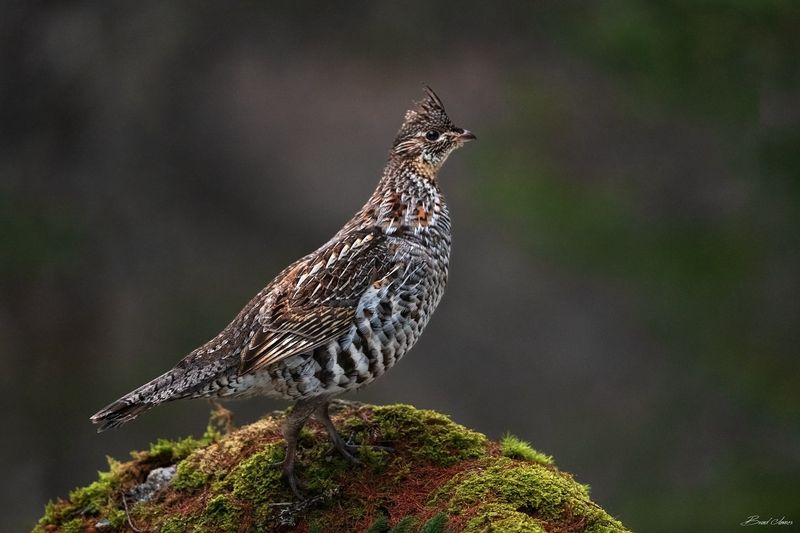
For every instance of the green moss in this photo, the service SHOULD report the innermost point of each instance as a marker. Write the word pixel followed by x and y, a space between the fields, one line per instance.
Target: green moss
pixel 437 524
pixel 257 478
pixel 229 485
pixel 175 524
pixel 320 470
pixel 374 458
pixel 219 515
pixel 95 496
pixel 356 512
pixel 212 432
pixel 92 500
pixel 526 487
pixel 190 474
pixel 315 526
pixel 75 525
pixel 428 435
pixel 189 477
pixel 406 525
pixel 501 517
pixel 515 448
pixel 603 527
pixel 50 516
pixel 169 451
pixel 117 518
pixel 380 525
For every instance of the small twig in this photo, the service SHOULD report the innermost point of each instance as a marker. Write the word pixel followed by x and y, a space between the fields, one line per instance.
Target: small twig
pixel 128 514
pixel 221 417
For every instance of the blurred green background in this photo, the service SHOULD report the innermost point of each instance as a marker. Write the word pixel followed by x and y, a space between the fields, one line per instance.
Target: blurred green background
pixel 626 267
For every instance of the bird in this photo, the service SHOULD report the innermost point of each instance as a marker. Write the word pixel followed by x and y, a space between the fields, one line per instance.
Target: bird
pixel 341 316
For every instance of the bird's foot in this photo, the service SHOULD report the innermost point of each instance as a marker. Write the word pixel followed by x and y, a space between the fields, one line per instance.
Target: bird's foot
pixel 294 483
pixel 350 450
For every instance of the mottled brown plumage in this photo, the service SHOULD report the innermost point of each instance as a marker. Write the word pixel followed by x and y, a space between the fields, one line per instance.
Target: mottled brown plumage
pixel 341 316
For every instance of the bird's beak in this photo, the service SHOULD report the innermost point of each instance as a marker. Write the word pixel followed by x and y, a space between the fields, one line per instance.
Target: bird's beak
pixel 466 135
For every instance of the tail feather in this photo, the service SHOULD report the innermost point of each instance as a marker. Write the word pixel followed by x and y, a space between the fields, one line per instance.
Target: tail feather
pixel 161 389
pixel 118 413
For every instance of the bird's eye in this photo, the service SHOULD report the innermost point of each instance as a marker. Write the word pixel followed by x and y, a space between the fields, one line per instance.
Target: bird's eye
pixel 432 135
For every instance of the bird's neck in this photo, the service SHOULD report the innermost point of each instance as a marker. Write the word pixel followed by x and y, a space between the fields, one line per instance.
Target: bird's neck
pixel 407 198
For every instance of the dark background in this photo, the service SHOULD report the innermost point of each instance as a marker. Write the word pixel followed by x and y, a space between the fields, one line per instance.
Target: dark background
pixel 625 279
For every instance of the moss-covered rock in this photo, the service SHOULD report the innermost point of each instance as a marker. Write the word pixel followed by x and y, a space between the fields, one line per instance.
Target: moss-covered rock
pixel 439 477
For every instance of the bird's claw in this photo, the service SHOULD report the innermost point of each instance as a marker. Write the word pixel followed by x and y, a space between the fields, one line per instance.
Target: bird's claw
pixel 294 483
pixel 350 450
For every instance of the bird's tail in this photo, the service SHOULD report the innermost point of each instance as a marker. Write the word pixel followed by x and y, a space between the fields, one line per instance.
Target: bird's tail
pixel 157 391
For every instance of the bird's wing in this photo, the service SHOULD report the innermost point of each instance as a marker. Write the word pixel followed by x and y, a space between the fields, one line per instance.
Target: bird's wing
pixel 316 301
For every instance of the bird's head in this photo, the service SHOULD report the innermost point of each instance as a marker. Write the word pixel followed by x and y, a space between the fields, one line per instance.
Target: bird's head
pixel 427 135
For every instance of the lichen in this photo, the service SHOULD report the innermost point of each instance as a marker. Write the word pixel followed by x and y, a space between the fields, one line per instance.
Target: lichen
pixel 515 448
pixel 439 477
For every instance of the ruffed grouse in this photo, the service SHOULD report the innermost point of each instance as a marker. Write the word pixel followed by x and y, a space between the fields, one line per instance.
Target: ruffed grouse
pixel 344 314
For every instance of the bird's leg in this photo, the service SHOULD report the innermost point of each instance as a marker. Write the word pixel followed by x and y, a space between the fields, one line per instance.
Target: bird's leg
pixel 347 449
pixel 321 414
pixel 294 422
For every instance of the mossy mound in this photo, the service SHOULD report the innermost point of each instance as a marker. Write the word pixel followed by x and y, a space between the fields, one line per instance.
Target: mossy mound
pixel 440 477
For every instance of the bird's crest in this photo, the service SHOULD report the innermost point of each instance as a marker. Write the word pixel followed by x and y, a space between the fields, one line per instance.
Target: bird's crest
pixel 430 106
pixel 427 113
